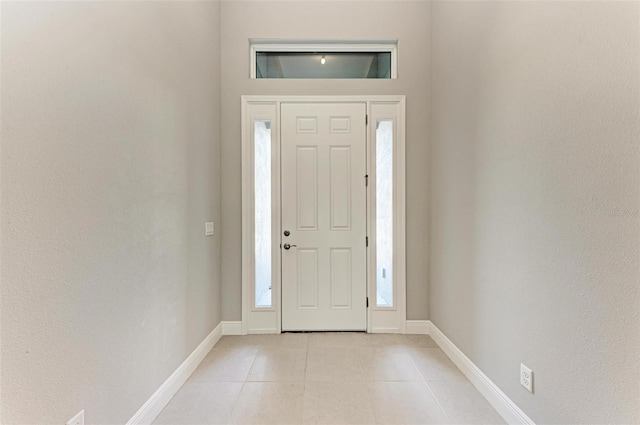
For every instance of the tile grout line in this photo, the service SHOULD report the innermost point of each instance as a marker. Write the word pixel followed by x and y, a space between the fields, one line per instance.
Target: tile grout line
pixel 304 381
pixel 235 403
pixel 306 365
pixel 424 382
pixel 367 385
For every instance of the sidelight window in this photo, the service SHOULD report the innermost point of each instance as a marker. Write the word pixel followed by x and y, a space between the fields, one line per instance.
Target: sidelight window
pixel 262 209
pixel 384 213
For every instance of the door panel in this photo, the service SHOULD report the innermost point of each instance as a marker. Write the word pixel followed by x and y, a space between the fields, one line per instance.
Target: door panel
pixel 307 278
pixel 307 187
pixel 341 283
pixel 340 170
pixel 323 161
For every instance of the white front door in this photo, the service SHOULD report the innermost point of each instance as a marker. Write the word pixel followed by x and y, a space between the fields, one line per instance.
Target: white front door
pixel 323 160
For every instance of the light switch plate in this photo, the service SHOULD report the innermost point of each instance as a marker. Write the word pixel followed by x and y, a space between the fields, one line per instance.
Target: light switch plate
pixel 208 228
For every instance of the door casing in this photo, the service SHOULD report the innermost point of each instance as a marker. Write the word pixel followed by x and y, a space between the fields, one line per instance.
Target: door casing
pixel 260 320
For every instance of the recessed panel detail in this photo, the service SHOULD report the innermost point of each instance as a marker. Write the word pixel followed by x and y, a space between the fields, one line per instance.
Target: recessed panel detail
pixel 340 124
pixel 307 125
pixel 307 187
pixel 341 281
pixel 307 278
pixel 340 187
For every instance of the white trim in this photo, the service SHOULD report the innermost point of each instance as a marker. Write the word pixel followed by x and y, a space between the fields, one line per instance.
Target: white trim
pixel 379 98
pixel 494 395
pixel 298 43
pixel 302 45
pixel 390 319
pixel 382 320
pixel 253 317
pixel 418 327
pixel 231 328
pixel 262 331
pixel 154 405
pixel 375 330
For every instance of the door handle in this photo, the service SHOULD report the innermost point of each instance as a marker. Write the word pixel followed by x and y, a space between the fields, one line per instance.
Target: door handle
pixel 288 246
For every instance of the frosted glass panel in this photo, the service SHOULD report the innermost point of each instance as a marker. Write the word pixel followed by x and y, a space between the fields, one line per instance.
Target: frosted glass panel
pixel 262 211
pixel 384 213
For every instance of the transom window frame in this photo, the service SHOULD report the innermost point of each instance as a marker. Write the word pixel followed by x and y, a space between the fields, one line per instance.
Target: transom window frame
pixel 310 46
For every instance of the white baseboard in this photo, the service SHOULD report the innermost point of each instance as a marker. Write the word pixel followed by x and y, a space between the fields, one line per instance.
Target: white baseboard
pixel 385 331
pixel 152 407
pixel 231 328
pixel 417 327
pixel 494 395
pixel 263 331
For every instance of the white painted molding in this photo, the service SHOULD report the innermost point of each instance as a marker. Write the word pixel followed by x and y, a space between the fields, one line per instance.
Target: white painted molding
pixel 152 407
pixel 263 331
pixel 268 320
pixel 232 328
pixel 418 327
pixel 386 330
pixel 254 318
pixel 388 319
pixel 494 395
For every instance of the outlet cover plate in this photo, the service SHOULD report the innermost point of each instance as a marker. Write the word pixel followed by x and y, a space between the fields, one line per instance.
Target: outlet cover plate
pixel 77 419
pixel 208 228
pixel 526 377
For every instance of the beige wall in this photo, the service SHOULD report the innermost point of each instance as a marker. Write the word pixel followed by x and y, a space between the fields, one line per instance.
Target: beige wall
pixel 409 21
pixel 536 200
pixel 110 162
pixel 110 165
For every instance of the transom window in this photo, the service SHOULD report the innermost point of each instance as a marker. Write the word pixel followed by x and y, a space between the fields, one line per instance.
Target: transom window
pixel 334 60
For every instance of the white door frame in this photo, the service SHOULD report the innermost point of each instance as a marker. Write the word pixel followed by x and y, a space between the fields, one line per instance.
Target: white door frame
pixel 379 319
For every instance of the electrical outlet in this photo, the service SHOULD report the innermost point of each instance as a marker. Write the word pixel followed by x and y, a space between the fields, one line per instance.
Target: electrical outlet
pixel 77 419
pixel 526 377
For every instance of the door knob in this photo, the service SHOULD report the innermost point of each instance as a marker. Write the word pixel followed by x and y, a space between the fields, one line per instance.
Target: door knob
pixel 288 246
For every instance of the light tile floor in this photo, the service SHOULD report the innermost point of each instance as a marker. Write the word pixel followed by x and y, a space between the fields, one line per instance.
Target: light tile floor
pixel 327 378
